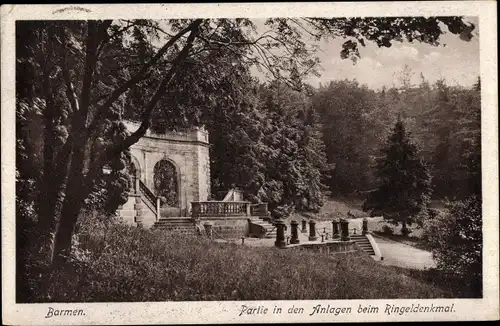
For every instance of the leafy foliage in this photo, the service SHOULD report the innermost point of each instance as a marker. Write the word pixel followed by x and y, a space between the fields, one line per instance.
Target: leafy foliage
pixel 444 121
pixel 351 128
pixel 456 241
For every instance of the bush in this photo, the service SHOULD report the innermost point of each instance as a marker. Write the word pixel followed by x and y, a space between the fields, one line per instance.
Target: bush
pixel 406 231
pixel 456 241
pixel 387 230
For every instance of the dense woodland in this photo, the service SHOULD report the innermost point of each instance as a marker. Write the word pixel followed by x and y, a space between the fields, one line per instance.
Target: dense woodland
pixel 335 133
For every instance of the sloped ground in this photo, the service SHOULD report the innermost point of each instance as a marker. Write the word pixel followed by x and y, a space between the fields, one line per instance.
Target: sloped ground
pixel 124 264
pixel 335 208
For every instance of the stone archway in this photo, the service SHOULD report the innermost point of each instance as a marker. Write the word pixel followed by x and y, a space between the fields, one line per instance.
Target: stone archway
pixel 166 183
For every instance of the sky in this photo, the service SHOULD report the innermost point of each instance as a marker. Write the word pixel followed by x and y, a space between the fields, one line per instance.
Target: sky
pixel 457 62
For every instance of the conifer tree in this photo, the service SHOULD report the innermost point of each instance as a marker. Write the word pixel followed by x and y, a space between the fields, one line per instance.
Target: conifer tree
pixel 404 188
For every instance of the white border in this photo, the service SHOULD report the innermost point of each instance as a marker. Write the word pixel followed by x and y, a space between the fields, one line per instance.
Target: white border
pixel 227 311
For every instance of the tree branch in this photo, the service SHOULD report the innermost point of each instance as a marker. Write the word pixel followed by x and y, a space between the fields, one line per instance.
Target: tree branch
pixel 103 35
pixel 90 64
pixel 147 115
pixel 70 90
pixel 137 77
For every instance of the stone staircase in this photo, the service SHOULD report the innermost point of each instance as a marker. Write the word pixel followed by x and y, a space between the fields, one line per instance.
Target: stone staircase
pixel 269 231
pixel 363 242
pixel 179 225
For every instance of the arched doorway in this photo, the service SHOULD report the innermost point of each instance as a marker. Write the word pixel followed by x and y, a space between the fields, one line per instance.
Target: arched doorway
pixel 166 183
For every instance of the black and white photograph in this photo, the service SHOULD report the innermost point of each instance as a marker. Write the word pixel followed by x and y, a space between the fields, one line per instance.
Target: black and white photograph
pixel 295 166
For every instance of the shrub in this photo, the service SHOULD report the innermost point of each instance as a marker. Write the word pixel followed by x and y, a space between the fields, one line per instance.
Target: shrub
pixel 387 230
pixel 456 241
pixel 406 231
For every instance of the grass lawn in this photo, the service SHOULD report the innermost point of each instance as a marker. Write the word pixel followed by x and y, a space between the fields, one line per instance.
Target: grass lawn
pixel 122 263
pixel 336 208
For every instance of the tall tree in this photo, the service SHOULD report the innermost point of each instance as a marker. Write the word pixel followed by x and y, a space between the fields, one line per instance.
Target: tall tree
pixel 405 184
pixel 351 125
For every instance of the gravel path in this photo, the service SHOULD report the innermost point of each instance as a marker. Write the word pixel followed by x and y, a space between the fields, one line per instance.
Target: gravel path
pixel 402 255
pixel 394 253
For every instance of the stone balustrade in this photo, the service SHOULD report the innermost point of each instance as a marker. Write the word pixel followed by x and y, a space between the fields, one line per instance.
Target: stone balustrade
pixel 220 208
pixel 202 209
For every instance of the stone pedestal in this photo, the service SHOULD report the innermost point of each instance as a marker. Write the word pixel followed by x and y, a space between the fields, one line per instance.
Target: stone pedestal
pixel 335 228
pixel 344 227
pixel 208 229
pixel 365 226
pixel 295 232
pixel 280 233
pixel 304 226
pixel 312 230
pixel 262 207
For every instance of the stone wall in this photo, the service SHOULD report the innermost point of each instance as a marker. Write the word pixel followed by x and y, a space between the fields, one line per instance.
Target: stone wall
pixel 228 227
pixel 135 212
pixel 327 247
pixel 187 150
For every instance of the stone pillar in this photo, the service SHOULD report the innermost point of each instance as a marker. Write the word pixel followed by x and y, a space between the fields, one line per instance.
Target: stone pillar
pixel 262 209
pixel 365 226
pixel 146 171
pixel 208 229
pixel 335 227
pixel 304 226
pixel 138 211
pixel 312 230
pixel 344 226
pixel 247 209
pixel 280 233
pixel 136 185
pixel 195 210
pixel 295 232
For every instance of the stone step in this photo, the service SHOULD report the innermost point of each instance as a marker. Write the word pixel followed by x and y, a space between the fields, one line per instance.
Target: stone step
pixel 175 223
pixel 175 219
pixel 262 223
pixel 177 230
pixel 127 213
pixel 363 243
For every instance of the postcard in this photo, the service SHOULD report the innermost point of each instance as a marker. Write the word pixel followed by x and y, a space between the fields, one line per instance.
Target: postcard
pixel 249 163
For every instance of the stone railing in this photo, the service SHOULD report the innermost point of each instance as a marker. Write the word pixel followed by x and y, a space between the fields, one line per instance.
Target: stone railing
pixel 150 199
pixel 220 208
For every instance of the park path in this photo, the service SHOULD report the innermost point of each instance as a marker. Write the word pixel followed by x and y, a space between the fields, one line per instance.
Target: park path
pixel 403 255
pixel 394 253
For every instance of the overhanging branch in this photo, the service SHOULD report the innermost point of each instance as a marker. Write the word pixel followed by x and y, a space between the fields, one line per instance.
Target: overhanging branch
pixel 148 112
pixel 138 76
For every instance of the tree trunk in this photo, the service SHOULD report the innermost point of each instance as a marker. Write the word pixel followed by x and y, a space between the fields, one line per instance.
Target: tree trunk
pixel 404 229
pixel 75 194
pixel 66 225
